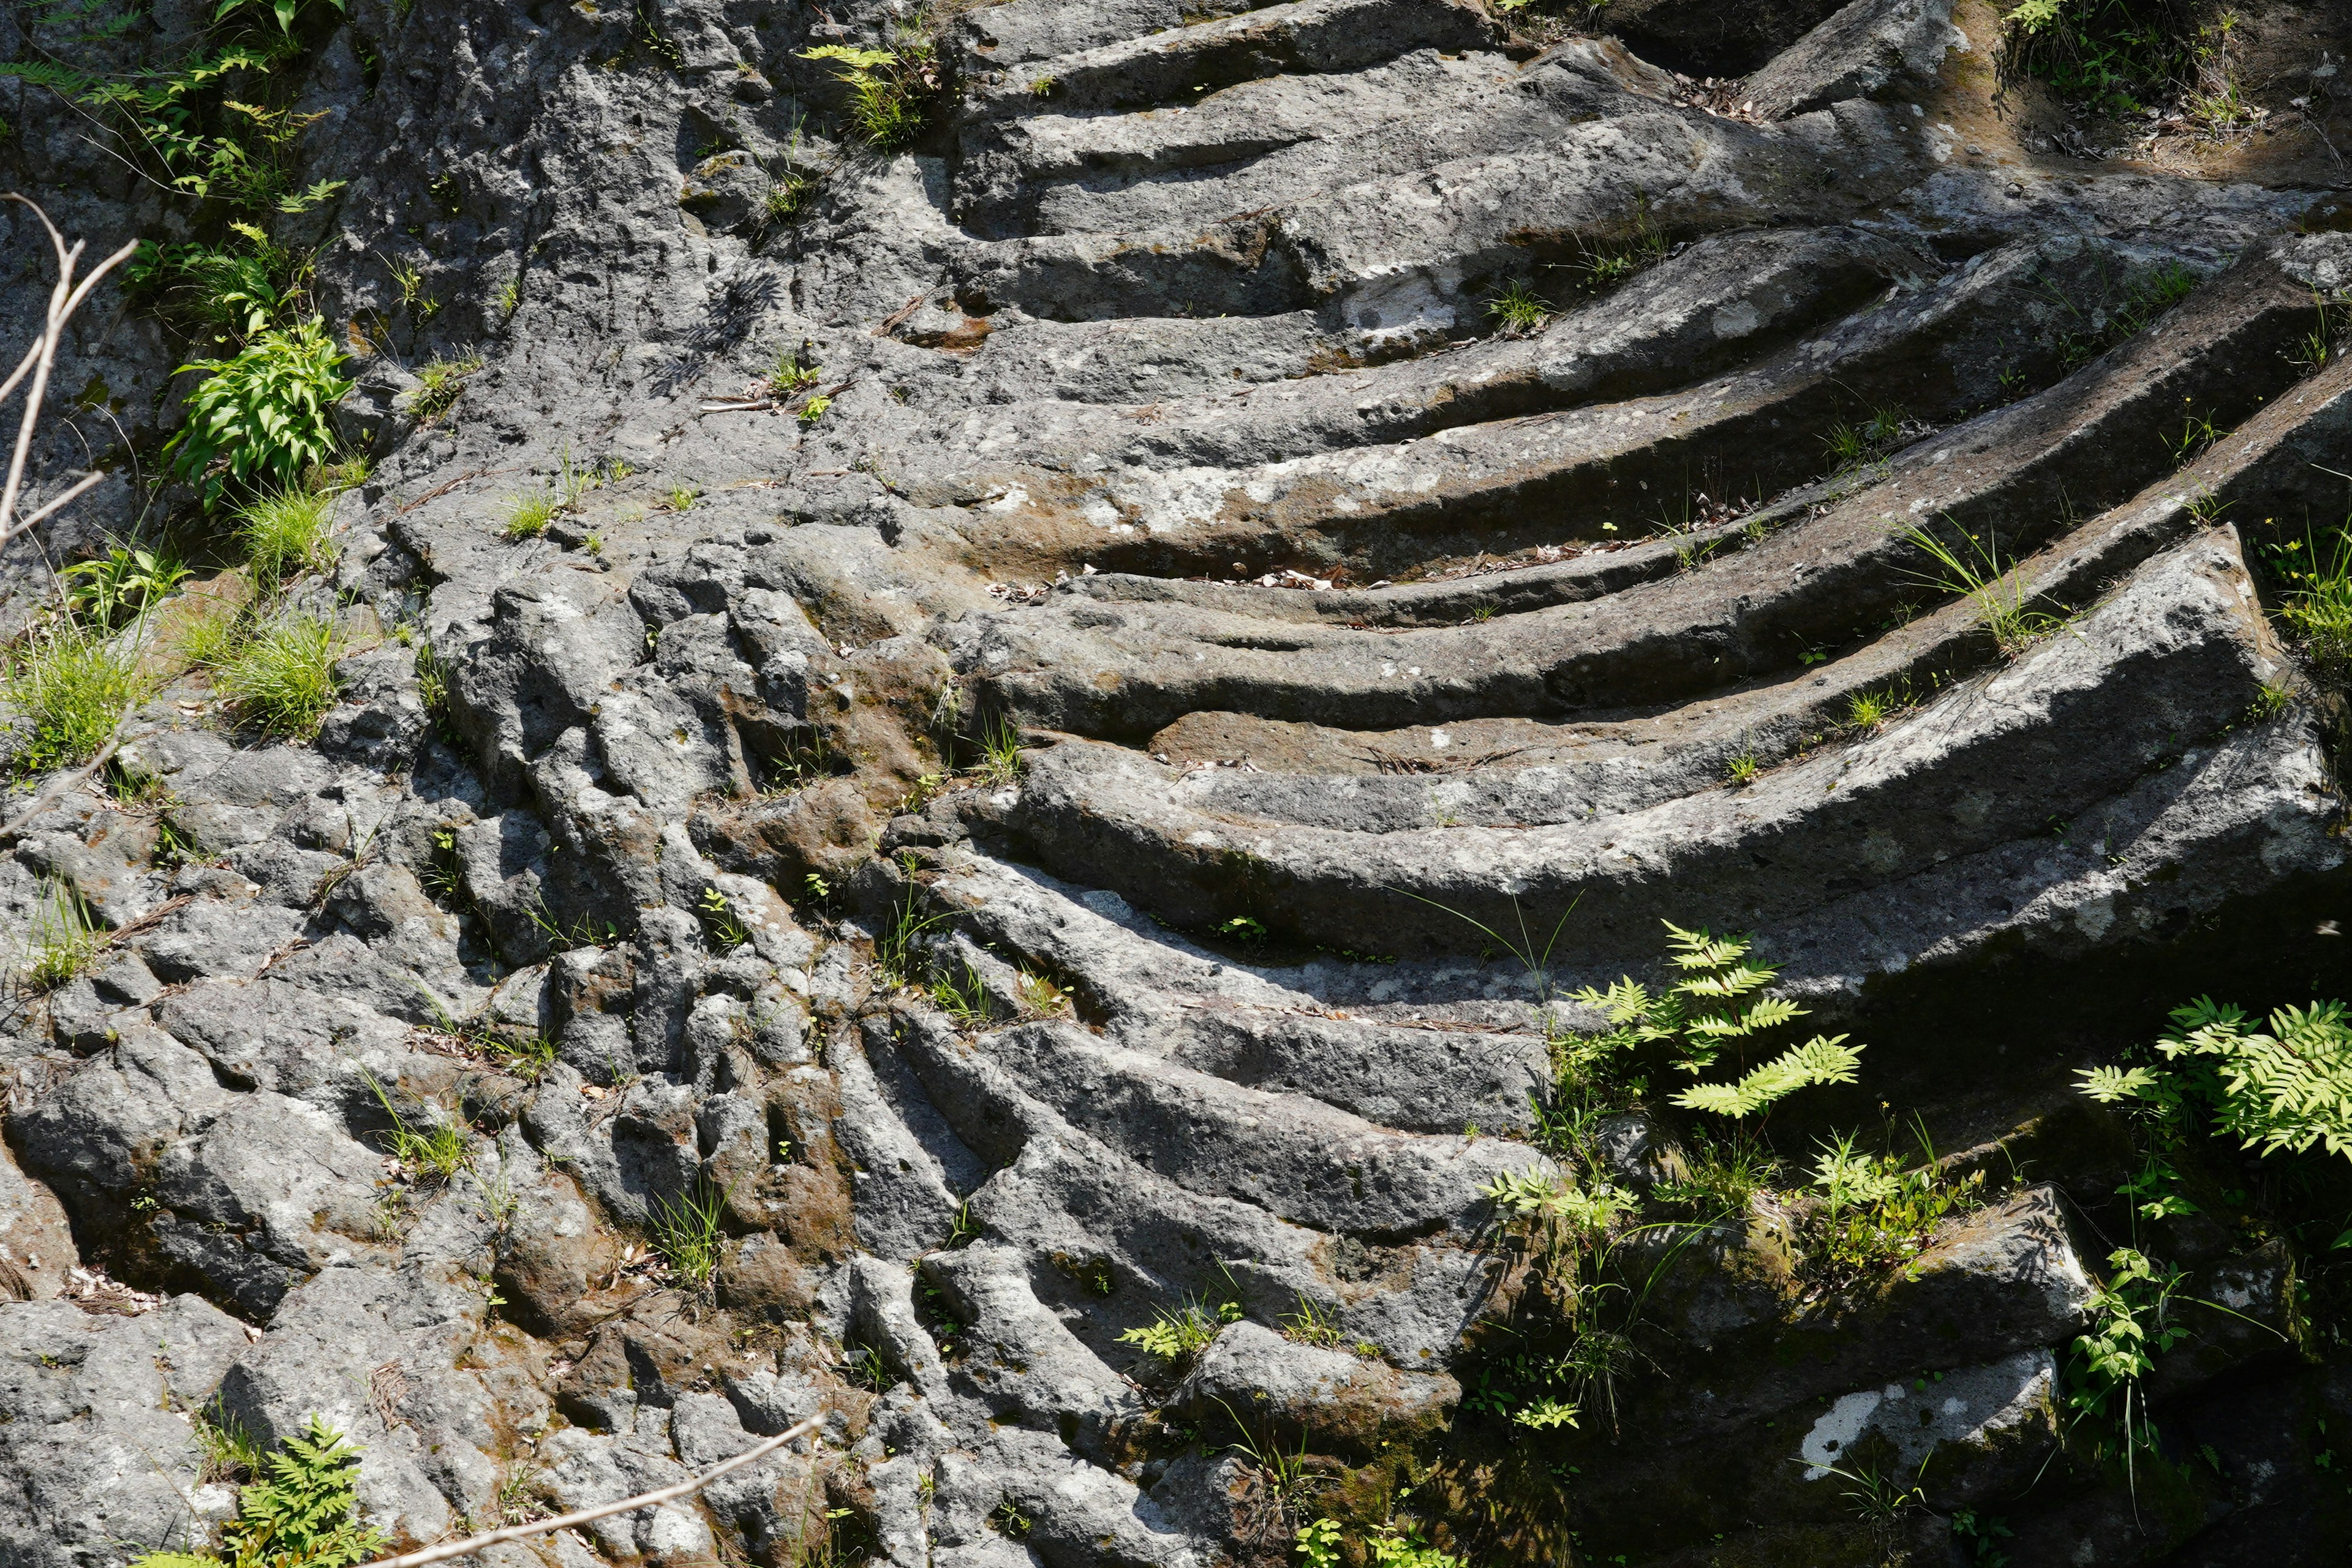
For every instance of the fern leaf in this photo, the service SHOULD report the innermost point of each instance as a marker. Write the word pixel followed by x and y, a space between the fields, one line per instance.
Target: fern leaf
pixel 2110 1085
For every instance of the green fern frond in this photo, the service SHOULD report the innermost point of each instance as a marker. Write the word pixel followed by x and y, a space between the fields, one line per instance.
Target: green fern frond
pixel 1824 1058
pixel 2109 1086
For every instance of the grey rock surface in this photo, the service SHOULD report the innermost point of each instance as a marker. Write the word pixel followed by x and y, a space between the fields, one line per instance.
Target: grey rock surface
pixel 1022 886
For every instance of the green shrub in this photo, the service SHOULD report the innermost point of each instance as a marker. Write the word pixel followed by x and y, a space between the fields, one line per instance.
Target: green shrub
pixel 2111 54
pixel 261 418
pixel 74 683
pixel 301 1517
pixel 285 531
pixel 283 680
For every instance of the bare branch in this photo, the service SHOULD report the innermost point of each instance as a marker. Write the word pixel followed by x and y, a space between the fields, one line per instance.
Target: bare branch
pixel 473 1543
pixel 65 299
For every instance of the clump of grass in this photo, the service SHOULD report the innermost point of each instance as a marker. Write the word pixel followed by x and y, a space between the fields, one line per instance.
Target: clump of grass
pixel 1000 761
pixel 1637 244
pixel 686 1233
pixel 1852 447
pixel 1742 769
pixel 1519 308
pixel 440 383
pixel 126 582
pixel 1995 587
pixel 65 938
pixel 282 679
pixel 74 683
pixel 438 1153
pixel 682 497
pixel 285 532
pixel 1723 1172
pixel 526 1057
pixel 528 515
pixel 1870 712
pixel 964 1000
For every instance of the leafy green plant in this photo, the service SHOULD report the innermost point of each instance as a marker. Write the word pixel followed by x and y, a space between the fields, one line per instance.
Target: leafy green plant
pixel 299 1517
pixel 726 932
pixel 815 408
pixel 2109 54
pixel 2288 1089
pixel 889 90
pixel 283 680
pixel 260 419
pixel 2130 1326
pixel 1742 769
pixel 1996 588
pixel 439 383
pixel 285 531
pixel 1390 1546
pixel 127 580
pixel 237 291
pixel 1876 1211
pixel 687 1233
pixel 1717 1001
pixel 1176 1339
pixel 64 938
pixel 74 683
pixel 2317 604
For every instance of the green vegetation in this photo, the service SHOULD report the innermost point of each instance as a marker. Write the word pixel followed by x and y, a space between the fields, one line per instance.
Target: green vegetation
pixel 75 683
pixel 1392 1546
pixel 528 515
pixel 284 532
pixel 1519 308
pixel 261 418
pixel 1717 1002
pixel 125 582
pixel 1608 259
pixel 299 1517
pixel 726 932
pixel 1977 572
pixel 1742 768
pixel 2287 1090
pixel 815 408
pixel 1174 1340
pixel 998 744
pixel 1875 1211
pixel 2111 55
pixel 65 938
pixel 2111 312
pixel 687 1234
pixel 438 1153
pixel 1852 447
pixel 440 382
pixel 281 682
pixel 2316 606
pixel 890 91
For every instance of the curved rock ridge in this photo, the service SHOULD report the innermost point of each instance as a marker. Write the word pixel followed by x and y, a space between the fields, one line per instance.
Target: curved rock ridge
pixel 1013 865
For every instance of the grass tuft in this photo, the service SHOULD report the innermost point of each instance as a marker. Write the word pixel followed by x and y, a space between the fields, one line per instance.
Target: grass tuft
pixel 282 679
pixel 74 683
pixel 285 532
pixel 686 1233
pixel 65 939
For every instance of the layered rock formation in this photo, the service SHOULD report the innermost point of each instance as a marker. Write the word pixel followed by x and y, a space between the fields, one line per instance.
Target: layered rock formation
pixel 1031 790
